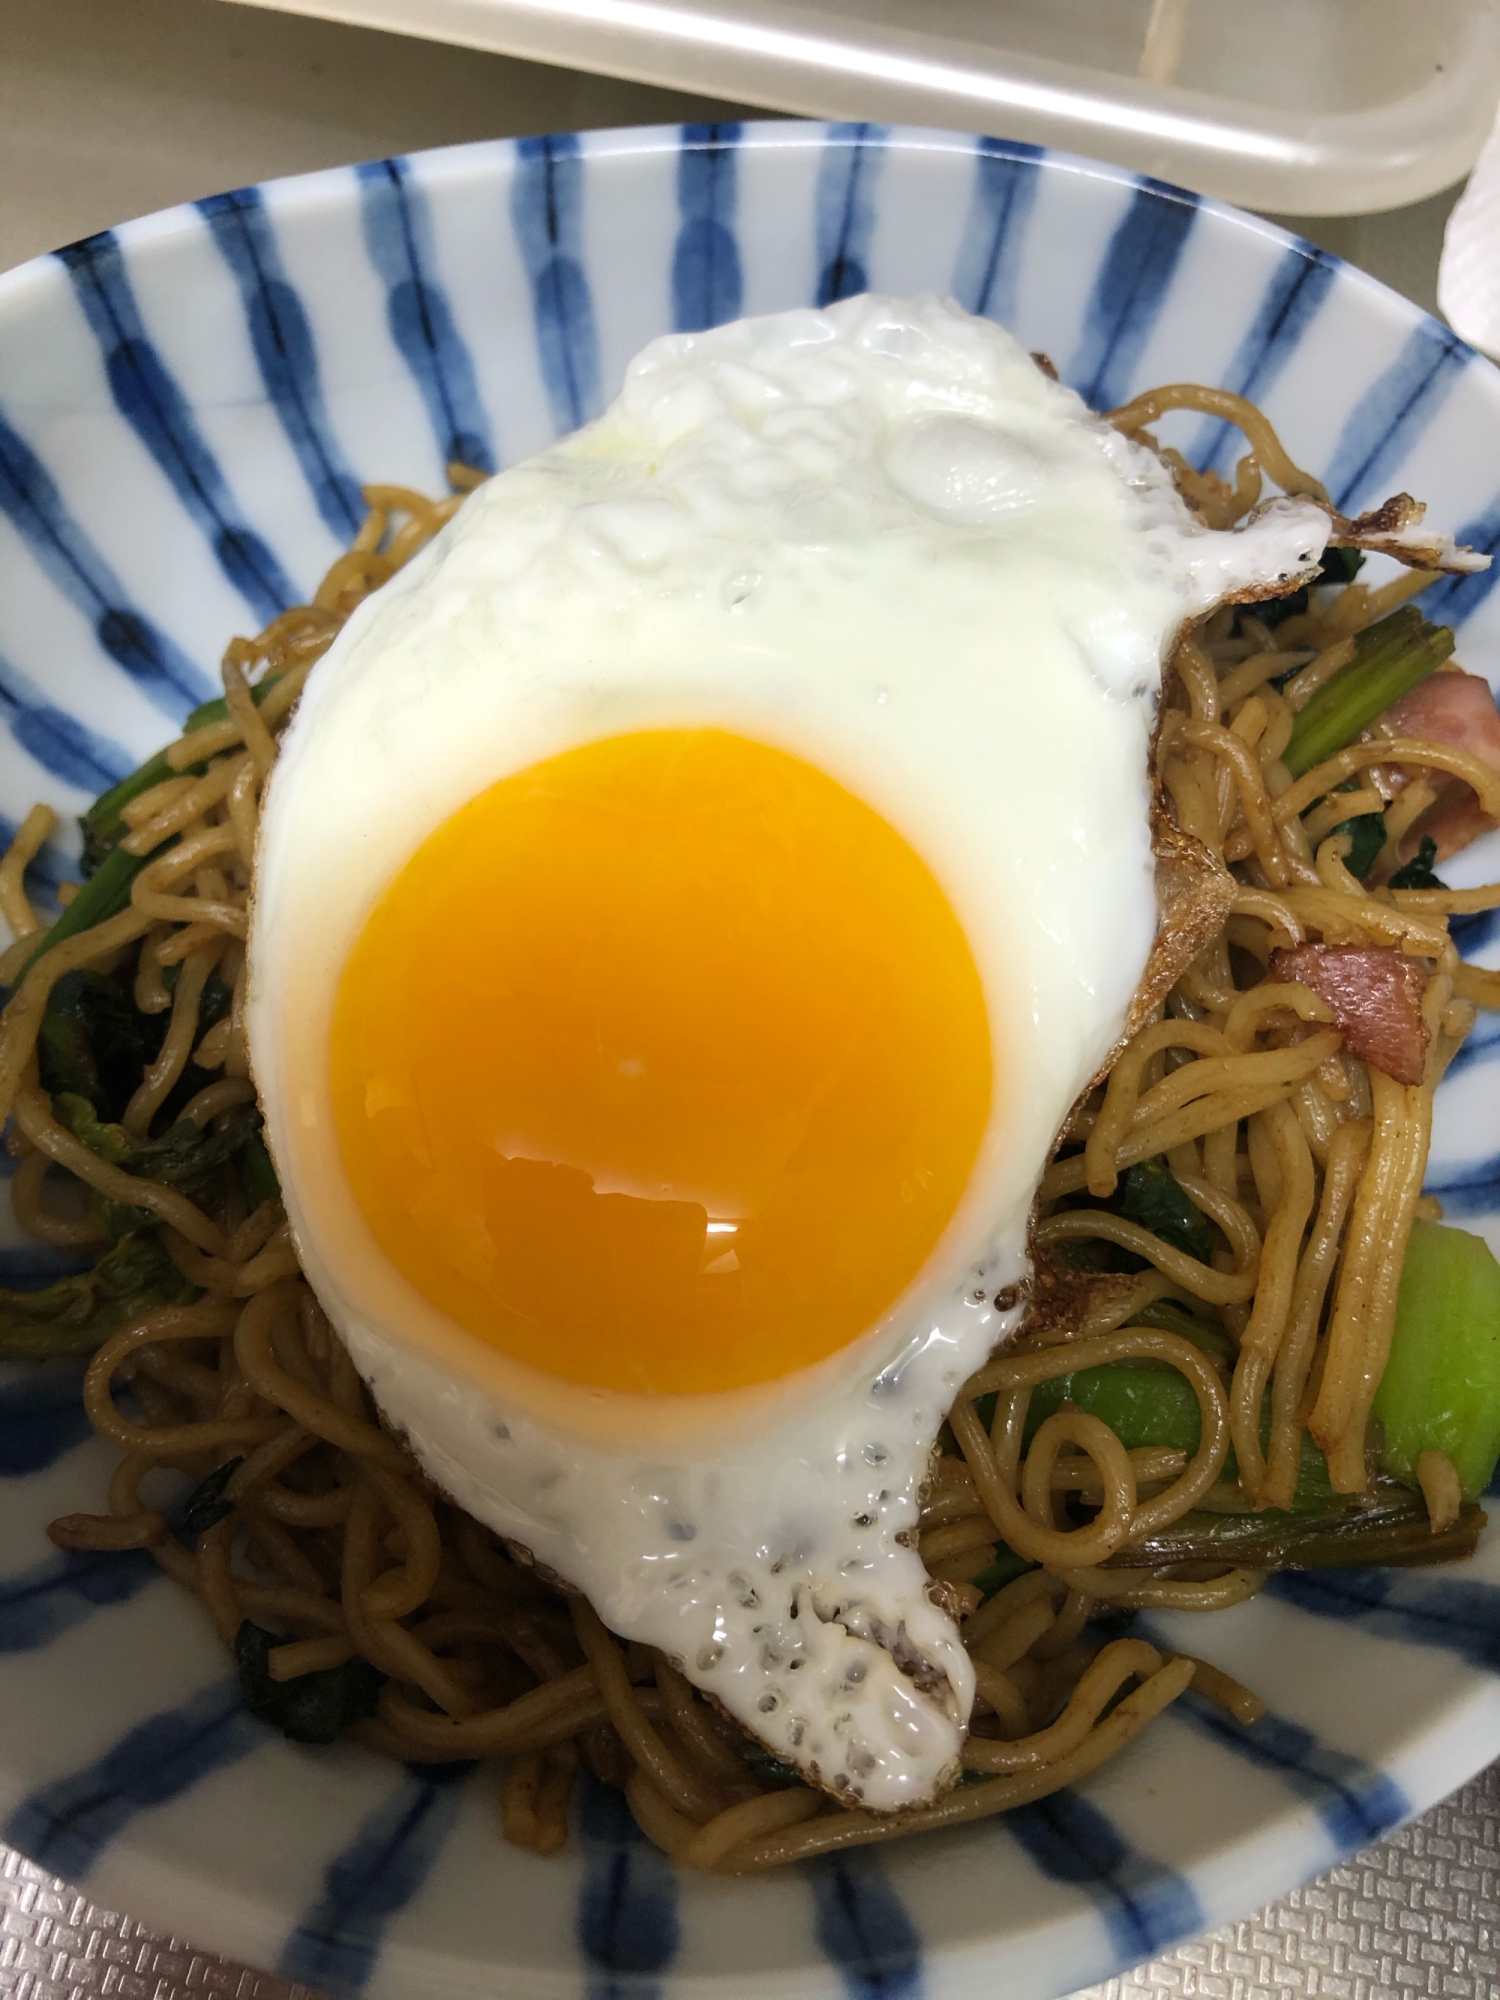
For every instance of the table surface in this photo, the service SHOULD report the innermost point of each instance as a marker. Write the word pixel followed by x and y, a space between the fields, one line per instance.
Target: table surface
pixel 109 110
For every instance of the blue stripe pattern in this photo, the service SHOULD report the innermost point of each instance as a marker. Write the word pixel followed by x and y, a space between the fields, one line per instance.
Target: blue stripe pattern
pixel 1476 932
pixel 162 418
pixel 546 208
pixel 399 239
pixel 64 1590
pixel 863 1927
pixel 1355 1802
pixel 41 1417
pixel 708 285
pixel 1130 292
pixel 845 210
pixel 1468 1191
pixel 1478 1050
pixel 31 502
pixel 1439 1612
pixel 66 1825
pixel 1146 1906
pixel 627 1903
pixel 61 744
pixel 843 188
pixel 373 1878
pixel 285 352
pixel 1302 280
pixel 1384 426
pixel 988 266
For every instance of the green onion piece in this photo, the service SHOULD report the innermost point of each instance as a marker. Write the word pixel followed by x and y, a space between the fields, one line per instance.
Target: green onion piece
pixel 1390 659
pixel 102 824
pixel 1441 1386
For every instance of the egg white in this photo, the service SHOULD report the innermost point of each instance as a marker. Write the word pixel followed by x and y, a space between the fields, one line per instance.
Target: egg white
pixel 879 538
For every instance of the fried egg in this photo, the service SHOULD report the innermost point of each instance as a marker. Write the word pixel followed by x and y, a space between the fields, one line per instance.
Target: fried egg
pixel 690 896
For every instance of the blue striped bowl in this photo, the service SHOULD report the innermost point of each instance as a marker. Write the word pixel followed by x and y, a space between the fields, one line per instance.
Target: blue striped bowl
pixel 189 405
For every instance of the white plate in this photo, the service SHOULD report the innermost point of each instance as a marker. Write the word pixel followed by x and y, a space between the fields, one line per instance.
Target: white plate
pixel 186 408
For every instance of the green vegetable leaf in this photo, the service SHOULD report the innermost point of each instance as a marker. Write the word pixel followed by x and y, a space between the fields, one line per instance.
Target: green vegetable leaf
pixel 102 824
pixel 1441 1386
pixel 1151 1194
pixel 95 1042
pixel 314 1708
pixel 1366 838
pixel 110 1141
pixel 759 1760
pixel 1417 873
pixel 186 1154
pixel 103 896
pixel 1006 1567
pixel 102 827
pixel 1390 659
pixel 1338 566
pixel 77 1314
pixel 1271 611
pixel 206 1505
pixel 257 1175
pixel 1341 565
pixel 184 1157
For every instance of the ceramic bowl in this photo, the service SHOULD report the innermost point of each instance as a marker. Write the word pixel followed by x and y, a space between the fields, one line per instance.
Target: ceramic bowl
pixel 188 407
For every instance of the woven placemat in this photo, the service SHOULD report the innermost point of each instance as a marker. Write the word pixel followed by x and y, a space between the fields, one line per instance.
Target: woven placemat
pixel 1415 1917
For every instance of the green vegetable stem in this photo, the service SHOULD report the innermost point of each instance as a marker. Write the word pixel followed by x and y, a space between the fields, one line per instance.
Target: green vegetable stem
pixel 1390 659
pixel 1389 1530
pixel 1441 1386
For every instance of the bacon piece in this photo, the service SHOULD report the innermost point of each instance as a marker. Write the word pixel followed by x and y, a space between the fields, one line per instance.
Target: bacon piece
pixel 1375 995
pixel 1457 708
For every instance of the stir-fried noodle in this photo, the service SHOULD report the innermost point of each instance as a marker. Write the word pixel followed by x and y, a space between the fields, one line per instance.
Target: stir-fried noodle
pixel 356 1596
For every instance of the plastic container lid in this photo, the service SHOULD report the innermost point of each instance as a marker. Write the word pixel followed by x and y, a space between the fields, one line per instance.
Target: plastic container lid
pixel 1307 107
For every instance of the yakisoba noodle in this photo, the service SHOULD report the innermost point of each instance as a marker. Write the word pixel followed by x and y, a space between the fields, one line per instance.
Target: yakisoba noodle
pixel 1307 1162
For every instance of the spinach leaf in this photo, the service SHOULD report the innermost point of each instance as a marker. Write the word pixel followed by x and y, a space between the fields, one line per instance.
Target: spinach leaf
pixel 1417 873
pixel 184 1157
pixel 77 1314
pixel 1341 565
pixel 110 1141
pixel 1006 1567
pixel 1151 1194
pixel 206 1506
pixel 314 1708
pixel 1366 838
pixel 759 1760
pixel 1338 566
pixel 95 1042
pixel 257 1175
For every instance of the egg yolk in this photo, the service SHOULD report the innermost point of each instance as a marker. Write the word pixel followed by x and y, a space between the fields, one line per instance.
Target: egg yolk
pixel 662 1065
